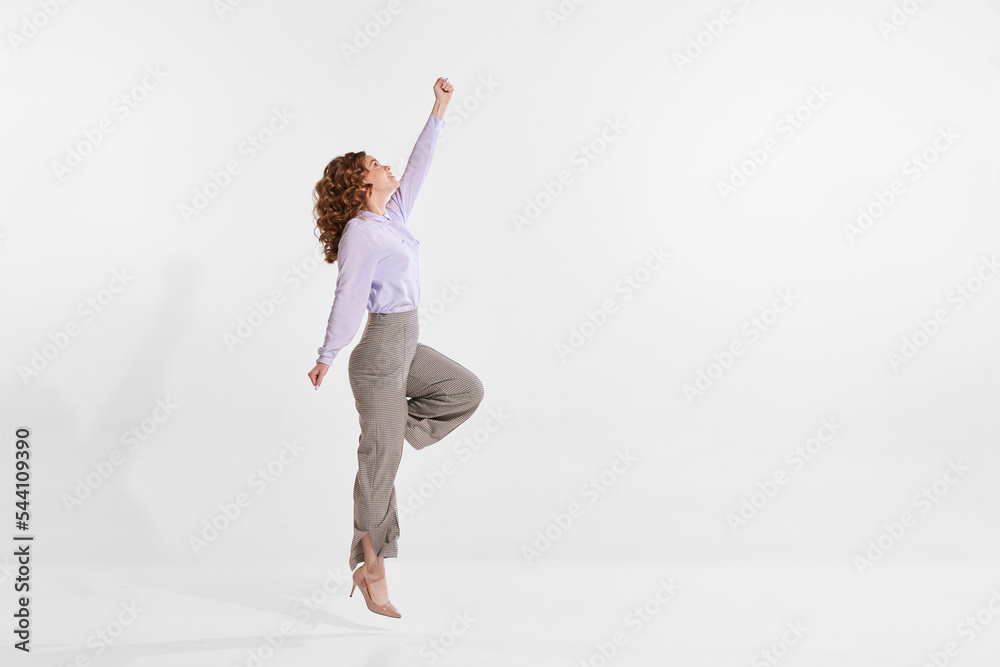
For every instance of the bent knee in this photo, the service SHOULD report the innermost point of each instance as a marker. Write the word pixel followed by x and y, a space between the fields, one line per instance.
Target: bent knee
pixel 477 391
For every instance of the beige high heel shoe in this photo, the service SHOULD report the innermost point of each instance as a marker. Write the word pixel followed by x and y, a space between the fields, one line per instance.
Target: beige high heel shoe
pixel 359 581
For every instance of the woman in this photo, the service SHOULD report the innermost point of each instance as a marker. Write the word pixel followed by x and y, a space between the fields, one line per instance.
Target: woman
pixel 402 389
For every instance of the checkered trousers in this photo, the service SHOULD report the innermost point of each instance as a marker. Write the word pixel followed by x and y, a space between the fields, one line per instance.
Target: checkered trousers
pixel 402 389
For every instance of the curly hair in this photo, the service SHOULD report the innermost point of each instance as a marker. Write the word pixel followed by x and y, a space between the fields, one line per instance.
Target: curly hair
pixel 338 197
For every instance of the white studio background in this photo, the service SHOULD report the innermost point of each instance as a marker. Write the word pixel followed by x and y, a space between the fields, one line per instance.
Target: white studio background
pixel 579 147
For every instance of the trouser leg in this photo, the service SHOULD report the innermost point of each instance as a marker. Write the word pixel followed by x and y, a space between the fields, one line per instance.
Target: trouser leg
pixel 443 394
pixel 382 414
pixel 377 370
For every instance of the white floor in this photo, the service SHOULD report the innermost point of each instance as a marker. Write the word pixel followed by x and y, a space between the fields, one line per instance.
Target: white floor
pixel 498 613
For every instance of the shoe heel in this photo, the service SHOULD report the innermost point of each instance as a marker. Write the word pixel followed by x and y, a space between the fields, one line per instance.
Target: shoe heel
pixel 385 610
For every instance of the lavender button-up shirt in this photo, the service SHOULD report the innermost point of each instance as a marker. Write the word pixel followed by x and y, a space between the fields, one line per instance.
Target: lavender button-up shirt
pixel 378 257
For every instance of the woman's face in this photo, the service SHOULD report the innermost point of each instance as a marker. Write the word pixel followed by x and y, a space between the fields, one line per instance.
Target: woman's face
pixel 379 175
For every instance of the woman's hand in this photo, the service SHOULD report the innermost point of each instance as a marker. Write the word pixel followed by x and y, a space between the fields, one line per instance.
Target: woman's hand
pixel 317 374
pixel 442 95
pixel 443 91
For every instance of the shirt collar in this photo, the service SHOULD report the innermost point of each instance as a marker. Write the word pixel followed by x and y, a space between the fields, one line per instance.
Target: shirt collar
pixel 365 213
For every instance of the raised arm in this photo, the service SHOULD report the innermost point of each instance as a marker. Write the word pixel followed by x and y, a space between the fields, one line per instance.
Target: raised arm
pixel 356 260
pixel 417 167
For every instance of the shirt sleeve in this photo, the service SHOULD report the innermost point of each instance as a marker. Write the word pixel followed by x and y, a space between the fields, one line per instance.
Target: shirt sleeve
pixel 357 261
pixel 401 201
